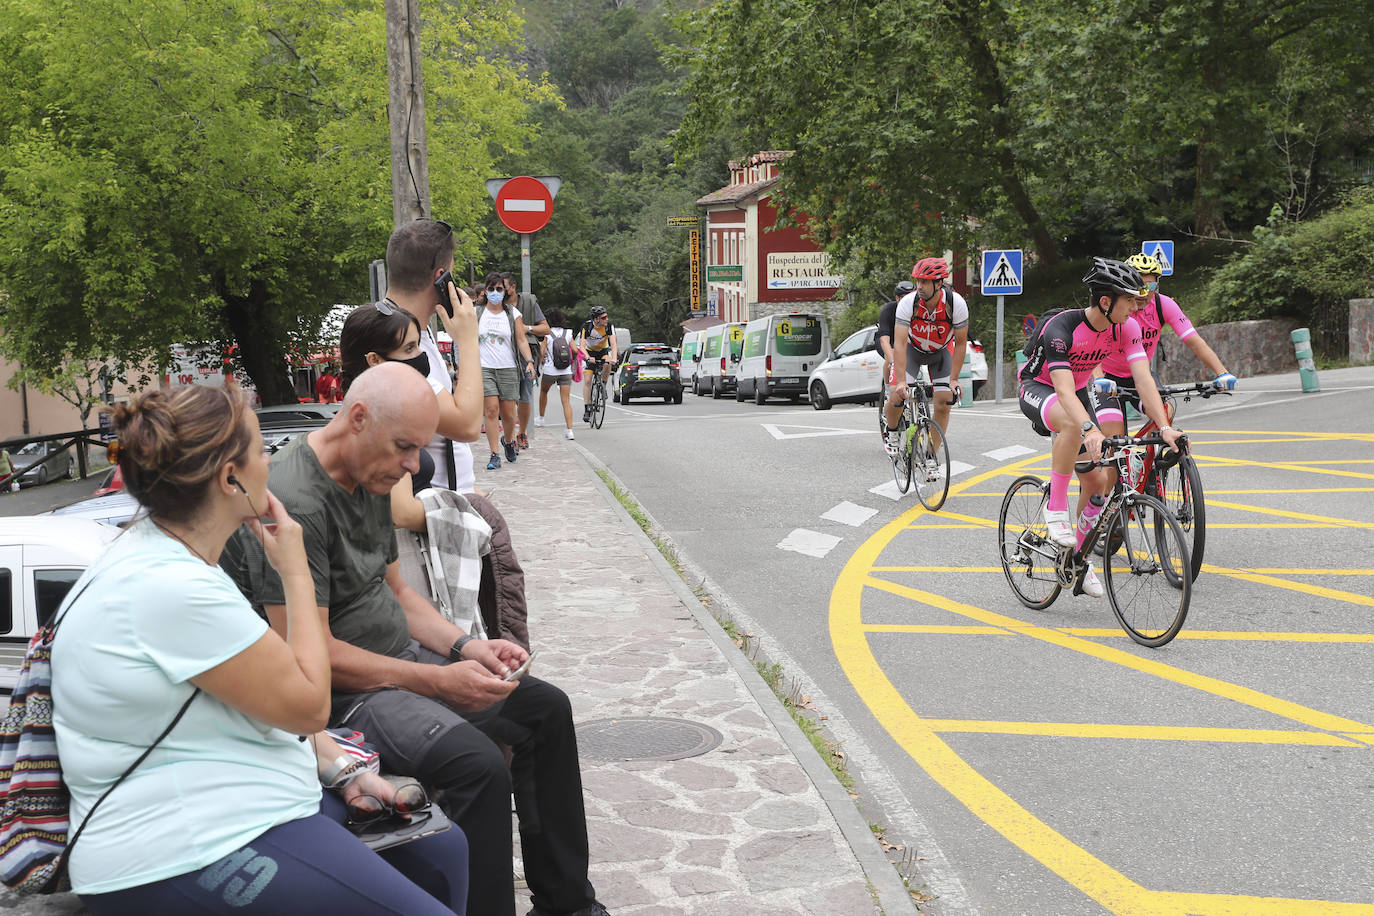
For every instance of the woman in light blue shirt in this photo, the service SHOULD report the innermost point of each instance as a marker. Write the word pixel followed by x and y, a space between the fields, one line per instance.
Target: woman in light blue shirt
pixel 226 815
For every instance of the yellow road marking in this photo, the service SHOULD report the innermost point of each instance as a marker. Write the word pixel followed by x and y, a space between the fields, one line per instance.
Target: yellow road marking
pixel 1304 587
pixel 919 629
pixel 1312 572
pixel 1286 492
pixel 1090 875
pixel 1140 732
pixel 1367 739
pixel 1260 570
pixel 1284 466
pixel 939 629
pixel 1285 513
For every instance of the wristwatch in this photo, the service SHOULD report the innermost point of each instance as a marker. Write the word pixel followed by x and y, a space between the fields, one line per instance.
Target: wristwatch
pixel 1088 426
pixel 456 652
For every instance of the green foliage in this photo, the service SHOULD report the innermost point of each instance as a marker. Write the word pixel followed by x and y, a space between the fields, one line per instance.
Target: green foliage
pixel 220 171
pixel 1301 270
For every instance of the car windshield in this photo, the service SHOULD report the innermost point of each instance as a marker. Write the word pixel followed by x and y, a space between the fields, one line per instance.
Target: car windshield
pixel 33 448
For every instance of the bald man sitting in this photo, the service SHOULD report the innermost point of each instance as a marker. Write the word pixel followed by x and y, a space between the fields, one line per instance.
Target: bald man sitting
pixel 427 695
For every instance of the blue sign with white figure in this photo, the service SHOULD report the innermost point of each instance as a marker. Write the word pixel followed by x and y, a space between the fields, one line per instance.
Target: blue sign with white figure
pixel 1002 272
pixel 1162 250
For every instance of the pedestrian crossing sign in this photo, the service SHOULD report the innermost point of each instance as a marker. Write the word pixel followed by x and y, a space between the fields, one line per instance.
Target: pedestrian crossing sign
pixel 1162 250
pixel 1002 273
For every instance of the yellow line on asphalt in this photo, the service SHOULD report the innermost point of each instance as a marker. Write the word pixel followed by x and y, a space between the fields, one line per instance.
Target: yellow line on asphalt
pixel 1367 739
pixel 1142 732
pixel 917 629
pixel 960 569
pixel 1235 905
pixel 1334 461
pixel 1284 466
pixel 1312 572
pixel 938 525
pixel 1286 513
pixel 984 799
pixel 1211 492
pixel 1304 587
pixel 1277 435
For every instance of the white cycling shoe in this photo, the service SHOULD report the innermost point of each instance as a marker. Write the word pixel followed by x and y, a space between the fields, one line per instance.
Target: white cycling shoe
pixel 1059 525
pixel 1092 586
pixel 894 443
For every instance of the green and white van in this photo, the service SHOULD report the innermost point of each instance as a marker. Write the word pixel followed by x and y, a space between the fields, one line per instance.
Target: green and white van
pixel 720 358
pixel 779 353
pixel 691 358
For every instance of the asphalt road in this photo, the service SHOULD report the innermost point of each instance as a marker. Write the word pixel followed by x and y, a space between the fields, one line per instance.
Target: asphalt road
pixel 1040 762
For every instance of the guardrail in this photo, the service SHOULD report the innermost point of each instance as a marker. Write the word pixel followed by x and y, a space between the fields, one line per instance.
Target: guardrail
pixel 83 436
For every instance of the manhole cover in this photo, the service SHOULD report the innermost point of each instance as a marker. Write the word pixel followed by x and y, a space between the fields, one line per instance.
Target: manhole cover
pixel 644 738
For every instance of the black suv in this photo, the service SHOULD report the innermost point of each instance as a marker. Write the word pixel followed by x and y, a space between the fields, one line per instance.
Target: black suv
pixel 648 370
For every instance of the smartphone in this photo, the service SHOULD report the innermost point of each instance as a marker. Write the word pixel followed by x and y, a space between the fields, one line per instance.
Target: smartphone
pixel 520 672
pixel 441 287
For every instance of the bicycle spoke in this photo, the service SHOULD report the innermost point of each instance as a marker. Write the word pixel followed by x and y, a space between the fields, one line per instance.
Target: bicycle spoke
pixel 1028 556
pixel 1146 576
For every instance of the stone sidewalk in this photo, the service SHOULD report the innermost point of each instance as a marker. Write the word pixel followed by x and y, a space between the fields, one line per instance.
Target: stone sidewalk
pixel 752 826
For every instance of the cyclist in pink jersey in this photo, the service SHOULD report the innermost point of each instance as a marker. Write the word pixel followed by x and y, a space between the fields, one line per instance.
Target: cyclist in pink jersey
pixel 1153 311
pixel 1056 392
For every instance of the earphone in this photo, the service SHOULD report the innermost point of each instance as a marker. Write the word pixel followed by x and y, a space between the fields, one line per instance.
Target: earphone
pixel 235 481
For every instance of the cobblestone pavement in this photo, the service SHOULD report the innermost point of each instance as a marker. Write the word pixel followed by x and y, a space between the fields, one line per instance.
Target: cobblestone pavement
pixel 756 826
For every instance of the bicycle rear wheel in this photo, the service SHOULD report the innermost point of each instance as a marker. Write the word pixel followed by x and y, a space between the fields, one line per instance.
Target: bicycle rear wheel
pixel 598 404
pixel 1028 554
pixel 901 461
pixel 1145 577
pixel 1179 487
pixel 931 460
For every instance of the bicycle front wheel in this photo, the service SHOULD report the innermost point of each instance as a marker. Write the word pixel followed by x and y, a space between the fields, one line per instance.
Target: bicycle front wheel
pixel 1146 575
pixel 1179 487
pixel 1028 554
pixel 901 461
pixel 931 460
pixel 598 405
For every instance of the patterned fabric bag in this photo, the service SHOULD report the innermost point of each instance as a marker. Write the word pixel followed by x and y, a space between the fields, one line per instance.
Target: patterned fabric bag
pixel 34 802
pixel 354 743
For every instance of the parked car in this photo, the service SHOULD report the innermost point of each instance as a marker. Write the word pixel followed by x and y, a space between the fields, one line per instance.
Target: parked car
pixel 113 482
pixel 853 373
pixel 648 369
pixel 40 558
pixel 282 415
pixel 779 353
pixel 35 452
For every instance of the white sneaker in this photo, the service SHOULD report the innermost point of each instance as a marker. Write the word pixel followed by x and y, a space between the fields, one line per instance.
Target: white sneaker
pixel 539 421
pixel 1092 586
pixel 894 442
pixel 567 434
pixel 1060 525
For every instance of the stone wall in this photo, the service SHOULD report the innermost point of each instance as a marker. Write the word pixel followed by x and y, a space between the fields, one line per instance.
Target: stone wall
pixel 1361 331
pixel 1247 348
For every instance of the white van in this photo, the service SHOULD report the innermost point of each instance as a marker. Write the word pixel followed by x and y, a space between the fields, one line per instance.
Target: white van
pixel 779 353
pixel 691 358
pixel 40 558
pixel 720 358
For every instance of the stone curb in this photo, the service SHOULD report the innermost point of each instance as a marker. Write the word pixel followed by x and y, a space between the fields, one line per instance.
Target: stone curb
pixel 892 896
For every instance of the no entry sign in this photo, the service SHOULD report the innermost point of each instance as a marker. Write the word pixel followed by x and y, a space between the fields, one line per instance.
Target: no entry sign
pixel 524 205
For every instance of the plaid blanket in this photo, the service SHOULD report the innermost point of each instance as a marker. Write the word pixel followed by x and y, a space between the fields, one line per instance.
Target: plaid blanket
pixel 457 539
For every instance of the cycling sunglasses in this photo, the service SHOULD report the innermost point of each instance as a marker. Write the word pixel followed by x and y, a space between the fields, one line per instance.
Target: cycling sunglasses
pixel 368 809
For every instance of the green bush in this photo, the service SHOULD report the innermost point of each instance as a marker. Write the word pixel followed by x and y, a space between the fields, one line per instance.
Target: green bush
pixel 1306 270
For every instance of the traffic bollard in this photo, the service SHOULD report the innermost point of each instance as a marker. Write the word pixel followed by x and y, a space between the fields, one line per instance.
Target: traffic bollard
pixel 1307 369
pixel 966 383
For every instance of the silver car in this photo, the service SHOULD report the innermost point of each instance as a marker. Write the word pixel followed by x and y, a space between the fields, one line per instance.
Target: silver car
pixel 35 452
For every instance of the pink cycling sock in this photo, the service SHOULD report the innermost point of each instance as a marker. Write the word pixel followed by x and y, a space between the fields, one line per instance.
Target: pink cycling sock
pixel 1059 492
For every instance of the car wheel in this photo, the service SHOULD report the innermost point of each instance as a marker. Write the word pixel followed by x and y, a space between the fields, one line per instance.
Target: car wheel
pixel 760 395
pixel 71 471
pixel 624 399
pixel 677 398
pixel 739 393
pixel 716 391
pixel 820 399
pixel 42 476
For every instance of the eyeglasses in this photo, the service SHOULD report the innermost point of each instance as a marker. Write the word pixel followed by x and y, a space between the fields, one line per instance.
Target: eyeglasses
pixel 448 230
pixel 385 307
pixel 368 809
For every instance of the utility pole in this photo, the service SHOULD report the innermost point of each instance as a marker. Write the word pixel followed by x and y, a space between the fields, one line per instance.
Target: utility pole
pixel 406 105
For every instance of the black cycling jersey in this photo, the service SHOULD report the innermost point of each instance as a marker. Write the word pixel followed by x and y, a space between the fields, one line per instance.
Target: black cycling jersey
pixel 887 323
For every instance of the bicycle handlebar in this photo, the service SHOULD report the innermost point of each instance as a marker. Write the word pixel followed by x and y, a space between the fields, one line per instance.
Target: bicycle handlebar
pixel 1201 389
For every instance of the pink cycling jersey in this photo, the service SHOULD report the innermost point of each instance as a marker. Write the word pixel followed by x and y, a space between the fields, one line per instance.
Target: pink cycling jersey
pixel 1150 330
pixel 1068 341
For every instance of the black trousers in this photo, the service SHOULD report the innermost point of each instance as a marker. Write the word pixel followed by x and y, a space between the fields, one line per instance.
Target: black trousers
pixel 457 754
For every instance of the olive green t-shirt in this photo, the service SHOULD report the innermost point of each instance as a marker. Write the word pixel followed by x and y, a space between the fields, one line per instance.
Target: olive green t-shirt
pixel 349 540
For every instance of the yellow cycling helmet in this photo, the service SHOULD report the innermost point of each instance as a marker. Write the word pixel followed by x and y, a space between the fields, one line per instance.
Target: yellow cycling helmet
pixel 1145 264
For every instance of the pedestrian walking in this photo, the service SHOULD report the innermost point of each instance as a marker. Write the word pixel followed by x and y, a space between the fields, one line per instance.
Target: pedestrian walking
pixel 557 366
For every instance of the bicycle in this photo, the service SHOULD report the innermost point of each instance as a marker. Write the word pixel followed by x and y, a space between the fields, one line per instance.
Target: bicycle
pixel 597 403
pixel 1171 477
pixel 918 449
pixel 1146 552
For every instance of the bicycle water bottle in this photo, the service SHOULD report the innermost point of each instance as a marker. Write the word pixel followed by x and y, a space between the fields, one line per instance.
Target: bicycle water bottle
pixel 1137 468
pixel 1089 517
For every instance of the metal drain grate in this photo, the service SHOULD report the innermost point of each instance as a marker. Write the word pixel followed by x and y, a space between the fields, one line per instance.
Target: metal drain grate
pixel 644 738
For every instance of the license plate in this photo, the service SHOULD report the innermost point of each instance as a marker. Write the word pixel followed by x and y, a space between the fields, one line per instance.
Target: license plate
pixel 789 381
pixel 653 374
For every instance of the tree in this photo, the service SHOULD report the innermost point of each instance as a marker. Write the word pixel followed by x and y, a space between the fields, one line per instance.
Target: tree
pixel 219 171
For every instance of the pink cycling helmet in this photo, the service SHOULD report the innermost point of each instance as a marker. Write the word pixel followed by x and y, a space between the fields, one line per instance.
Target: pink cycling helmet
pixel 930 269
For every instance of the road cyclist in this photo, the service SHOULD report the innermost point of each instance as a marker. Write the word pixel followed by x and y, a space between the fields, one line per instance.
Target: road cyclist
pixel 1056 395
pixel 931 330
pixel 887 321
pixel 1175 479
pixel 597 342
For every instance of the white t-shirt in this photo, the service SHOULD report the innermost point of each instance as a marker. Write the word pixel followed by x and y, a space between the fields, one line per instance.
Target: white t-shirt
pixel 442 383
pixel 493 338
pixel 549 368
pixel 122 663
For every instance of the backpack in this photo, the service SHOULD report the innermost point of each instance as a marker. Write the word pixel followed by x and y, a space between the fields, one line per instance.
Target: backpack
pixel 34 803
pixel 1034 338
pixel 560 351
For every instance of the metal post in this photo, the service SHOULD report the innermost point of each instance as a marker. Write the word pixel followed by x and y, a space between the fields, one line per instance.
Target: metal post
pixel 525 263
pixel 1001 302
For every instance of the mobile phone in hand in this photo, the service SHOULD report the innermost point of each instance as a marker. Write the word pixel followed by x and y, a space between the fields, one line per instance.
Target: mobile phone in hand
pixel 520 672
pixel 441 287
